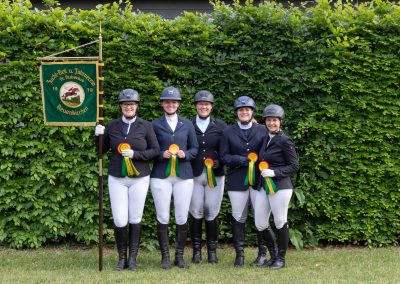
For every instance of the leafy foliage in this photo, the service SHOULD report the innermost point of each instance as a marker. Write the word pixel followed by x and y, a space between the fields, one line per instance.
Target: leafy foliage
pixel 334 69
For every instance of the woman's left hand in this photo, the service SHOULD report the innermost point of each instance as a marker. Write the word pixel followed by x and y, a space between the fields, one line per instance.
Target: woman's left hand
pixel 268 173
pixel 127 153
pixel 181 154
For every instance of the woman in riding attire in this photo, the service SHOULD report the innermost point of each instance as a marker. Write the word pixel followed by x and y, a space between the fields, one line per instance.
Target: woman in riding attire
pixel 172 174
pixel 278 150
pixel 133 144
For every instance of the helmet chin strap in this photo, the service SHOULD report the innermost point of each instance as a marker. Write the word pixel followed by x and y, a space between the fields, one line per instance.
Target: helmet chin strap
pixel 203 117
pixel 247 121
pixel 170 114
pixel 244 122
pixel 130 117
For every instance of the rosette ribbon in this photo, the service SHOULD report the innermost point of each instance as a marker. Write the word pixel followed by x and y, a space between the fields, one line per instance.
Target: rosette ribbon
pixel 209 163
pixel 172 169
pixel 251 169
pixel 269 185
pixel 127 167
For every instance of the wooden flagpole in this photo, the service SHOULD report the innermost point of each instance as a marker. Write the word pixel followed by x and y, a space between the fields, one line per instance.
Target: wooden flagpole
pixel 100 152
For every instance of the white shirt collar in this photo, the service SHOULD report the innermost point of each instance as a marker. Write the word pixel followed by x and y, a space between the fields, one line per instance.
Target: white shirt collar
pixel 202 124
pixel 172 117
pixel 247 126
pixel 172 120
pixel 128 121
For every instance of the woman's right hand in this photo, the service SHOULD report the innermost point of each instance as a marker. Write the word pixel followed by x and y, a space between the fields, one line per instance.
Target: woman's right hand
pixel 99 130
pixel 167 154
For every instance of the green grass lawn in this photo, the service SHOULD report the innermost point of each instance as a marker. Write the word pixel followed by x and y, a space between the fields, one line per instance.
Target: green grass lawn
pixel 79 265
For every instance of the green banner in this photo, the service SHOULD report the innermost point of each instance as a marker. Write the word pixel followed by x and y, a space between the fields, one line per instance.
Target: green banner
pixel 69 93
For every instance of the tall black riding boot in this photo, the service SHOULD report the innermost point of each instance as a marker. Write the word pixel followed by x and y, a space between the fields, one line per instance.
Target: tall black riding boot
pixel 134 240
pixel 238 241
pixel 262 249
pixel 121 239
pixel 181 236
pixel 283 241
pixel 271 246
pixel 212 240
pixel 196 234
pixel 163 240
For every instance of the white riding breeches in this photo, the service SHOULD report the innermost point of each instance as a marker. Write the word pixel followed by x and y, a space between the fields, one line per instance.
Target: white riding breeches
pixel 163 190
pixel 239 202
pixel 278 204
pixel 127 196
pixel 206 201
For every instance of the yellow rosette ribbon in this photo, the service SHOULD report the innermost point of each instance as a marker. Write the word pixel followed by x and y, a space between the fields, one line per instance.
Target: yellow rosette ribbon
pixel 127 168
pixel 172 169
pixel 209 163
pixel 269 185
pixel 251 170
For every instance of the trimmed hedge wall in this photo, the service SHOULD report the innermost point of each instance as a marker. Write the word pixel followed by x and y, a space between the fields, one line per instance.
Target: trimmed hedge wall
pixel 335 70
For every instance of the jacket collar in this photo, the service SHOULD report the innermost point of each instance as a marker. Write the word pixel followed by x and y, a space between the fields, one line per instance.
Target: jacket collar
pixel 165 124
pixel 211 124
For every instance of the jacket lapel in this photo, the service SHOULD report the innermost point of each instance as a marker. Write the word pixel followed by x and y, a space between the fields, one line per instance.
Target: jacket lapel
pixel 119 126
pixel 134 126
pixel 211 124
pixel 178 125
pixel 272 141
pixel 165 124
pixel 240 132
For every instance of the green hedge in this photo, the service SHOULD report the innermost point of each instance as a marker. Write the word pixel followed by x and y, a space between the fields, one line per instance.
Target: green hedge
pixel 334 68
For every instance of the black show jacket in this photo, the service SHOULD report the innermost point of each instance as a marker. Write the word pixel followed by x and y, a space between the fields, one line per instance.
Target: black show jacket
pixel 234 150
pixel 282 158
pixel 209 144
pixel 143 142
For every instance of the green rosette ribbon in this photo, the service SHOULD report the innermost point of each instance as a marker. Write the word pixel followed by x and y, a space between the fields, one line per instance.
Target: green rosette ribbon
pixel 209 163
pixel 172 169
pixel 269 185
pixel 127 166
pixel 251 169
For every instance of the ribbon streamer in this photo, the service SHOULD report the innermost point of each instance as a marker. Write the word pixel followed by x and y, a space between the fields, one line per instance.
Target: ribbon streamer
pixel 251 171
pixel 269 185
pixel 127 166
pixel 209 163
pixel 172 169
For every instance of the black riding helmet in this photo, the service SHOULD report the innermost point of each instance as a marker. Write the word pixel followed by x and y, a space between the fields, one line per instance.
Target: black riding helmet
pixel 170 93
pixel 244 101
pixel 273 110
pixel 128 95
pixel 203 96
